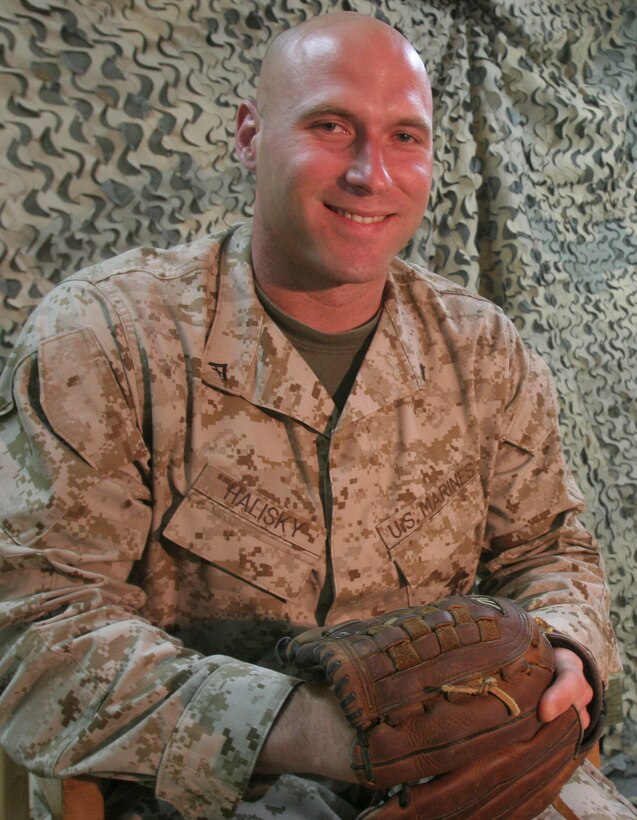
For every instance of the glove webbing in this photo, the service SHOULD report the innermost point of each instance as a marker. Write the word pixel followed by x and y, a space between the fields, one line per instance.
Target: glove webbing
pixel 404 655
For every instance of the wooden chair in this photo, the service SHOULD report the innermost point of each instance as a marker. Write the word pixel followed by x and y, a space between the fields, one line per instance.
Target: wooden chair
pixel 69 799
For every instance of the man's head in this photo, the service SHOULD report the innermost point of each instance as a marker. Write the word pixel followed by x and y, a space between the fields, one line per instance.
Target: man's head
pixel 340 141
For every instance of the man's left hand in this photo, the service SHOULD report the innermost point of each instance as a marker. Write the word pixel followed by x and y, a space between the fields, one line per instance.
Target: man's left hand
pixel 570 688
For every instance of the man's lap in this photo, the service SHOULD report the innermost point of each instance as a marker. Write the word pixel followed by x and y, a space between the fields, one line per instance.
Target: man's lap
pixel 587 796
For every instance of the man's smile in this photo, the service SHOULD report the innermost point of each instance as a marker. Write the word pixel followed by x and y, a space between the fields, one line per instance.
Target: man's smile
pixel 360 218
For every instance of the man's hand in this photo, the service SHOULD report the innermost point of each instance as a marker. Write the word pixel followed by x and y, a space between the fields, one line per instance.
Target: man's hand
pixel 310 735
pixel 570 688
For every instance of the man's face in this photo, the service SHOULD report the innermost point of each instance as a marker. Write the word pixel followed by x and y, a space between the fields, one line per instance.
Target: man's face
pixel 343 159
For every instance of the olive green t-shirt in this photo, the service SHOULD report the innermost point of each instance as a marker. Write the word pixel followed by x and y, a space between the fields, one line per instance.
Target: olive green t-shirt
pixel 333 357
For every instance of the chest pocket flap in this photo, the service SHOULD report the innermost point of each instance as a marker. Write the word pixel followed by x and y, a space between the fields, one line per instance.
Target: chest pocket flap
pixel 246 534
pixel 438 538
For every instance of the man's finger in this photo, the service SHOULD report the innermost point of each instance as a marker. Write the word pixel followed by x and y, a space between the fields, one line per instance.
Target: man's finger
pixel 570 688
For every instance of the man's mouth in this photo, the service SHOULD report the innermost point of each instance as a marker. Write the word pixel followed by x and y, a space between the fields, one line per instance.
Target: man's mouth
pixel 360 218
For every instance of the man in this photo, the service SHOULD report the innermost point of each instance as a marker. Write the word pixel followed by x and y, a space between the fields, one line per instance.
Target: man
pixel 210 447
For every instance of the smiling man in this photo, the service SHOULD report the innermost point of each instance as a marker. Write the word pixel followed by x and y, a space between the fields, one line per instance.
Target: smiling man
pixel 341 136
pixel 212 447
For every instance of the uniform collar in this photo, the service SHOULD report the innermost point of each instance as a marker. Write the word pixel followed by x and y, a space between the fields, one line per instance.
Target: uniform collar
pixel 247 355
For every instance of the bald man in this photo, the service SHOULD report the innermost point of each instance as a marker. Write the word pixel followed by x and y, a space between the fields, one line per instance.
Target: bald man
pixel 275 427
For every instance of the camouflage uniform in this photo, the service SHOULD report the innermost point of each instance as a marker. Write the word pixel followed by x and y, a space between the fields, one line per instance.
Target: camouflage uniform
pixel 168 467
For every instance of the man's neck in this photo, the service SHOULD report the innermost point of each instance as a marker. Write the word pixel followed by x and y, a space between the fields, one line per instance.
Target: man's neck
pixel 332 310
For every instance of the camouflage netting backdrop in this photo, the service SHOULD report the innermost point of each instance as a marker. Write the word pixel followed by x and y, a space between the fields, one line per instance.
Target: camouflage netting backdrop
pixel 115 131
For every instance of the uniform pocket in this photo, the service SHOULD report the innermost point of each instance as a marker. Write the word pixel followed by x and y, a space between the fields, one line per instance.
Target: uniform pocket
pixel 83 402
pixel 441 532
pixel 243 532
pixel 66 425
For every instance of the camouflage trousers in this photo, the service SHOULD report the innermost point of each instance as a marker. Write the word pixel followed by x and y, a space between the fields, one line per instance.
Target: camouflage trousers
pixel 587 796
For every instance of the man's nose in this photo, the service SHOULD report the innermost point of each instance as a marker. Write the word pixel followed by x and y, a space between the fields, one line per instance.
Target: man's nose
pixel 368 169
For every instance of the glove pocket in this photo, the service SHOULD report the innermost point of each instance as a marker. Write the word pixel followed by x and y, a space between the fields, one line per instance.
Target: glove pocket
pixel 245 534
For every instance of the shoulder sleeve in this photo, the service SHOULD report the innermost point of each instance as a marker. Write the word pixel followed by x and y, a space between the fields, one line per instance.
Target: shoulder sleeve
pixel 65 425
pixel 536 550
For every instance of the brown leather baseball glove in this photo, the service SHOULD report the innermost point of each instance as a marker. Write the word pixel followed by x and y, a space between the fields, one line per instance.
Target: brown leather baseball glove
pixel 440 688
pixel 510 783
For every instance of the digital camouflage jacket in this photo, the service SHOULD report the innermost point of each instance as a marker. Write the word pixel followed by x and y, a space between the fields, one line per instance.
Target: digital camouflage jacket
pixel 168 466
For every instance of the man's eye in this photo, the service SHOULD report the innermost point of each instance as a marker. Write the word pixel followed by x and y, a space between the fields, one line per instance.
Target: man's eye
pixel 330 127
pixel 403 136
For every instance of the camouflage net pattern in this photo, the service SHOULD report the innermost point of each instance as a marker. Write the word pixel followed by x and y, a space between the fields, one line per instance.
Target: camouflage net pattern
pixel 117 121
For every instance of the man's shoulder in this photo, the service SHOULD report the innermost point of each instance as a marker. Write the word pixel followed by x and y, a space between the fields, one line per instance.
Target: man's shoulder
pixel 145 288
pixel 160 264
pixel 423 285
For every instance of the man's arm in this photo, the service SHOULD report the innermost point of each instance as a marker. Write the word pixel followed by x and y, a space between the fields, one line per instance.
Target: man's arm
pixel 536 550
pixel 120 696
pixel 310 735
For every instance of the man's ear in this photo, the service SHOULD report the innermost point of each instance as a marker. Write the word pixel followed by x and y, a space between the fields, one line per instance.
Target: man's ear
pixel 245 139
